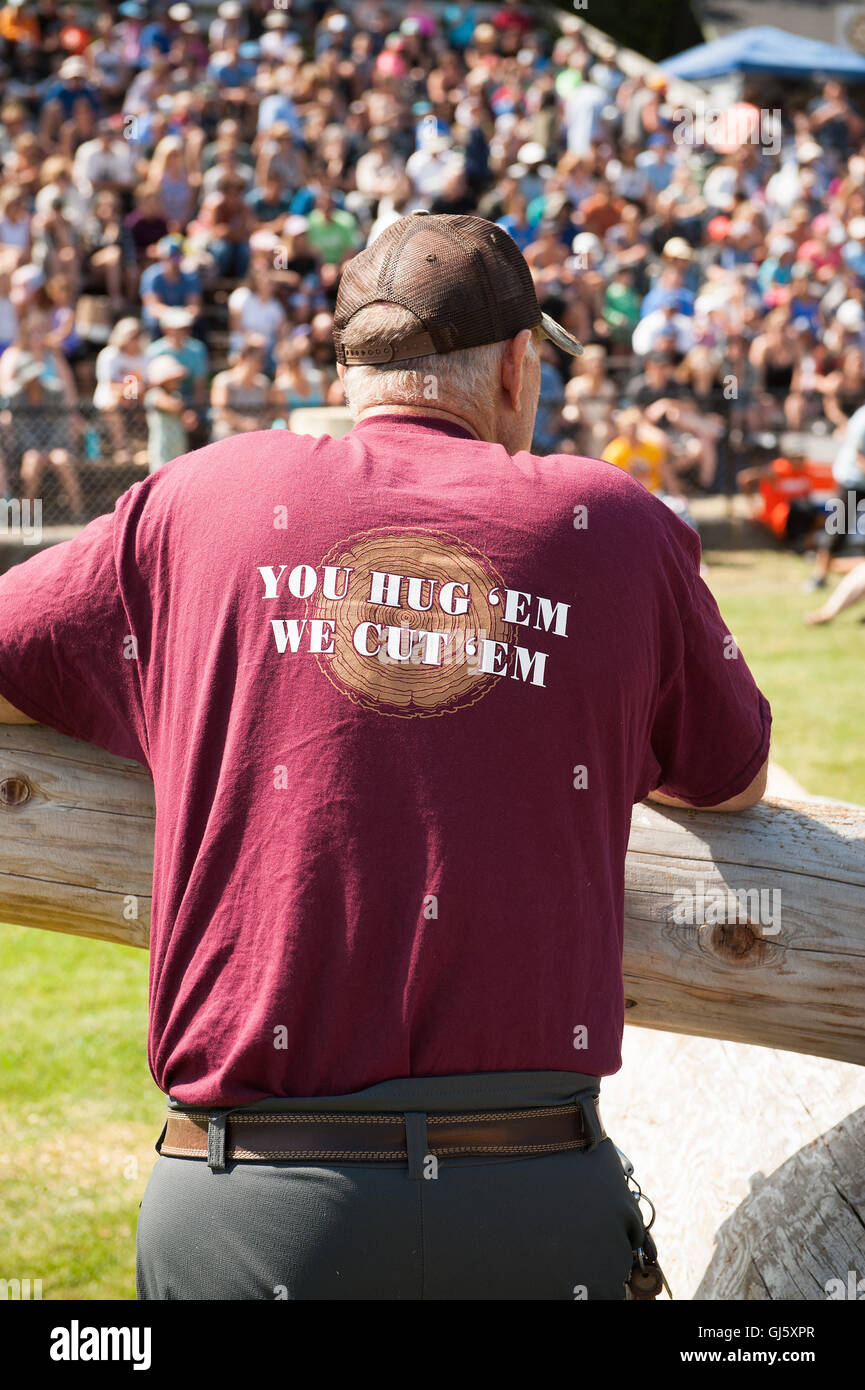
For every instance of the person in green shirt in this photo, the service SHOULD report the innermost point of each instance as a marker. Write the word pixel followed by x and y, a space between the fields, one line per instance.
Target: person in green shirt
pixel 333 233
pixel 621 305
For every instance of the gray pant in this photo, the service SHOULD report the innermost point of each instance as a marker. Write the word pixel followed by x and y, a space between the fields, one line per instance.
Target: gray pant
pixel 552 1226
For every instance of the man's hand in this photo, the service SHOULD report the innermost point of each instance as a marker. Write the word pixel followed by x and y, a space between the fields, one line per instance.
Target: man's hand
pixel 10 715
pixel 749 797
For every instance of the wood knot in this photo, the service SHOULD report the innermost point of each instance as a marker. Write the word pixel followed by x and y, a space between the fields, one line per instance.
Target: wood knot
pixel 735 943
pixel 14 791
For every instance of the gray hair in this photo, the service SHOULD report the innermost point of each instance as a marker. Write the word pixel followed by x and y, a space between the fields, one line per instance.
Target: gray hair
pixel 461 378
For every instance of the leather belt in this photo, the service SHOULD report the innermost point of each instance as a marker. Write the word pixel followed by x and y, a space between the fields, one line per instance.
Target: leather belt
pixel 334 1136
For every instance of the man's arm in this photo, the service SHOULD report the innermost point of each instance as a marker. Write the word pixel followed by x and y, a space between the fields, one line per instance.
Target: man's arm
pixel 10 715
pixel 65 638
pixel 749 797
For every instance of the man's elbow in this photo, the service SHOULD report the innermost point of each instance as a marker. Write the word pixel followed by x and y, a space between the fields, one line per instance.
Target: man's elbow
pixel 749 797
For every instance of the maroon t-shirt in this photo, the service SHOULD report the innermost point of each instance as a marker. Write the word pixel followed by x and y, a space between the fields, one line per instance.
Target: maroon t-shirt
pixel 398 693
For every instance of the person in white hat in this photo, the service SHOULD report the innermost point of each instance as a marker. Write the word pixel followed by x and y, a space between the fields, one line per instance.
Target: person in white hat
pixel 107 162
pixel 851 315
pixel 69 107
pixel 169 284
pixel 277 39
pixel 533 172
pixel 177 342
pixel 41 401
pixel 71 68
pixel 432 163
pixel 677 249
pixel 164 370
pixel 121 380
pixel 531 153
pixel 169 419
pixel 230 23
pixel 796 178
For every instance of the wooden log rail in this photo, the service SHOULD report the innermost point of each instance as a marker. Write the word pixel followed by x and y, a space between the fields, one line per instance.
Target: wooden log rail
pixel 748 926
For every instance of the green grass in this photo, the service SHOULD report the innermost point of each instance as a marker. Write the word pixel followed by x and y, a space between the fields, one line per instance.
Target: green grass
pixel 79 1111
pixel 812 677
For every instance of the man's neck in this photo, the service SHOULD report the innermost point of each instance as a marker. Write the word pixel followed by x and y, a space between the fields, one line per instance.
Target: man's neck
pixel 432 412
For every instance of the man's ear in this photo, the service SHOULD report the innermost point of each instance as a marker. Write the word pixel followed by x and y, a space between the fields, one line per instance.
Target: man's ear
pixel 340 370
pixel 513 366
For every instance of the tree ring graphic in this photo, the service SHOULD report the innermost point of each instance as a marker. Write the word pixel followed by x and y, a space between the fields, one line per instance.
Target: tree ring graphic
pixel 402 672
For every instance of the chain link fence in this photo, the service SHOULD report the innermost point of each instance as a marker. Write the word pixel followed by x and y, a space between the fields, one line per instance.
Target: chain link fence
pixel 76 461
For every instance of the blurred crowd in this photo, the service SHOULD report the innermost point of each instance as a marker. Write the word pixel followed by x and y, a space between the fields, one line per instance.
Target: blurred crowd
pixel 181 188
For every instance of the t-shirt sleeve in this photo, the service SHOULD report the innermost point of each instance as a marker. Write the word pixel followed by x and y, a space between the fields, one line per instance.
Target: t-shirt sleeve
pixel 711 727
pixel 68 652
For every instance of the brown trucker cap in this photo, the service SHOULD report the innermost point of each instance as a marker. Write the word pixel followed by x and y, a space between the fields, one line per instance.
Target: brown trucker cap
pixel 464 279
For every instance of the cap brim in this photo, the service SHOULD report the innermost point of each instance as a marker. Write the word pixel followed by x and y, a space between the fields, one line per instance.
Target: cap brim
pixel 560 336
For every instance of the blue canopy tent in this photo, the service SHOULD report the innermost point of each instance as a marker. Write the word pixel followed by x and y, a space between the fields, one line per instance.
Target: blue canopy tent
pixel 767 50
